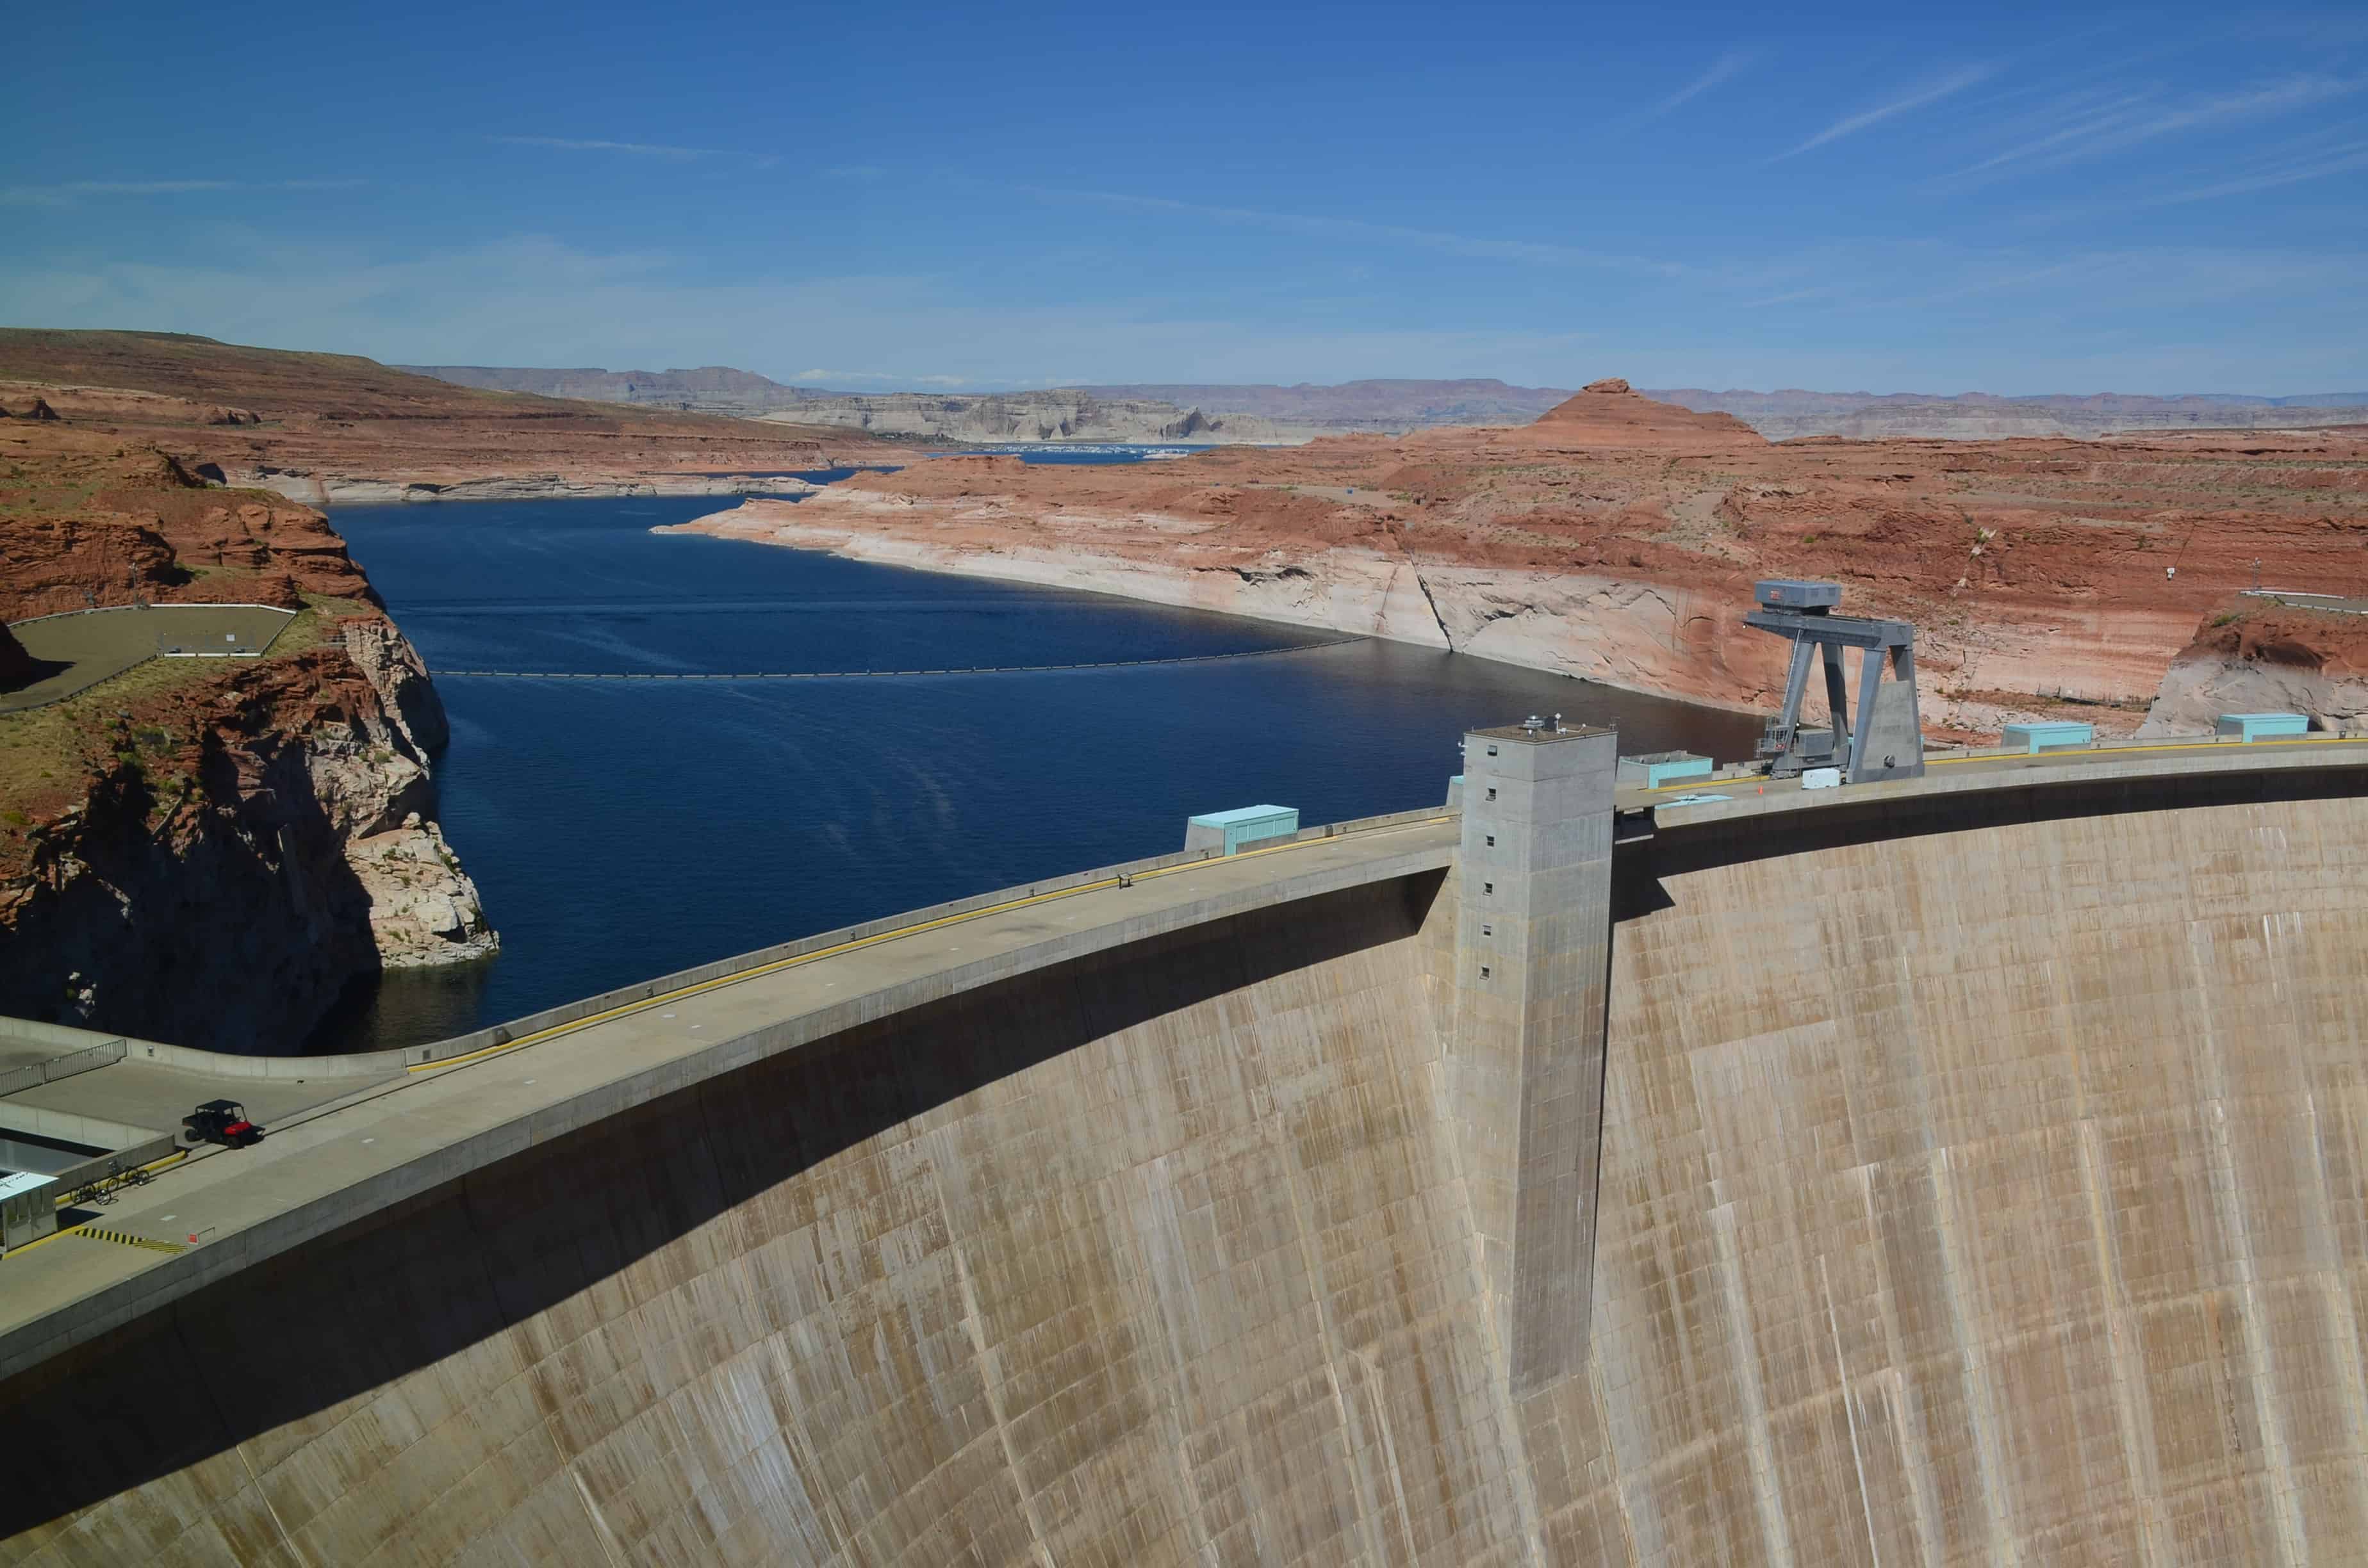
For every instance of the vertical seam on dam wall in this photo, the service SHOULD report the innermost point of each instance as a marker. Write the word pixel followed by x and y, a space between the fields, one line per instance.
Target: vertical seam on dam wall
pixel 2340 1332
pixel 2133 1409
pixel 2259 1360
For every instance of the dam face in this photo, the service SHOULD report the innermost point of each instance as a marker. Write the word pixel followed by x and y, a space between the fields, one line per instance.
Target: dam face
pixel 1979 1186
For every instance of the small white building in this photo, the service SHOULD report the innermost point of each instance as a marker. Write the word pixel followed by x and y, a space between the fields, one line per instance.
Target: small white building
pixel 28 1208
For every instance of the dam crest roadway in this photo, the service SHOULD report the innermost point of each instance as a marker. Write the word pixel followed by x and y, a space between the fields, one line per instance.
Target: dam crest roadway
pixel 1964 1168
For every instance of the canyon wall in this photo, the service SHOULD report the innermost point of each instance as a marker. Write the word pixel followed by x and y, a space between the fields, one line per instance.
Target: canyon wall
pixel 2257 655
pixel 1618 538
pixel 209 851
pixel 1978 1185
pixel 243 847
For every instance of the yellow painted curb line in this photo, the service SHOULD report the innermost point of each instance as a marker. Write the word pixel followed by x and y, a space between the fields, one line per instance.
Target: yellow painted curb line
pixel 122 1239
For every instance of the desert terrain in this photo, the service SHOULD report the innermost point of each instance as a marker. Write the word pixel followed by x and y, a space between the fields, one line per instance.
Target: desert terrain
pixel 1617 538
pixel 328 428
pixel 207 850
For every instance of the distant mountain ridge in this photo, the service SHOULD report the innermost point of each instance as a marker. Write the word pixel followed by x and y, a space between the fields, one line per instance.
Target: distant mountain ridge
pixel 1392 405
pixel 1059 414
pixel 1153 411
pixel 710 389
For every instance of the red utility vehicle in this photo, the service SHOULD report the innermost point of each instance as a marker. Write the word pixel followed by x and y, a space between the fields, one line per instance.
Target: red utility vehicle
pixel 223 1122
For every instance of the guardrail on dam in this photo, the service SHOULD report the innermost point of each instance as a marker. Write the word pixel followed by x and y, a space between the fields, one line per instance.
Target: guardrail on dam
pixel 1981 1175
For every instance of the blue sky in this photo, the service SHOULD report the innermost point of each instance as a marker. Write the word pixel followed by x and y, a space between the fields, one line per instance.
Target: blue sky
pixel 2002 198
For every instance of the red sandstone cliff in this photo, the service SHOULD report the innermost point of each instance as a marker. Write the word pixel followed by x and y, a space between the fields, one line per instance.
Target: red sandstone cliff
pixel 2253 655
pixel 1618 538
pixel 206 851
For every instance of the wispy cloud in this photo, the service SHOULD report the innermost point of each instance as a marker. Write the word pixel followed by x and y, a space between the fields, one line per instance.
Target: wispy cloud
pixel 1725 68
pixel 65 192
pixel 2115 319
pixel 2296 163
pixel 1483 247
pixel 2088 119
pixel 1931 92
pixel 2096 130
pixel 636 148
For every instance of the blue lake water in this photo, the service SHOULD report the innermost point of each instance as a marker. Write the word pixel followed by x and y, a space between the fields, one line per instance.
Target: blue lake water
pixel 621 830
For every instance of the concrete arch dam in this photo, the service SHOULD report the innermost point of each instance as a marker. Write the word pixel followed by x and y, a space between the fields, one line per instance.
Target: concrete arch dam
pixel 1973 1169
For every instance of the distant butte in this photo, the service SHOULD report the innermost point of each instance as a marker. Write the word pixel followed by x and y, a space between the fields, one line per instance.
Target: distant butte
pixel 1609 413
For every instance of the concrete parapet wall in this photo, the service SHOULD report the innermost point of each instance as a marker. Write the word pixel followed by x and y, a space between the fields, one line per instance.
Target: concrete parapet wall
pixel 369 1063
pixel 68 1126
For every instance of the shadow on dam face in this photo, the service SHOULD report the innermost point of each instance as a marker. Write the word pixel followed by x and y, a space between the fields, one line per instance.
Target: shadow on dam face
pixel 212 1389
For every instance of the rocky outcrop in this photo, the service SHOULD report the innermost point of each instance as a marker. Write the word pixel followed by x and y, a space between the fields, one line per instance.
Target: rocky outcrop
pixel 423 909
pixel 240 853
pixel 1610 414
pixel 212 852
pixel 99 404
pixel 2262 656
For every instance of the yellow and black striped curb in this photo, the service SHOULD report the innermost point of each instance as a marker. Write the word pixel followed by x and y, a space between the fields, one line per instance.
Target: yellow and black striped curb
pixel 121 1238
